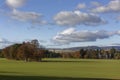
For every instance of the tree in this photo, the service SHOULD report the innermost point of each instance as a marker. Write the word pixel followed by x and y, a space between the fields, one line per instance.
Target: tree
pixel 13 50
pixel 82 53
pixel 6 53
pixel 76 54
pixel 35 42
pixel 112 52
pixel 38 54
pixel 91 53
pixel 27 51
pixel 1 55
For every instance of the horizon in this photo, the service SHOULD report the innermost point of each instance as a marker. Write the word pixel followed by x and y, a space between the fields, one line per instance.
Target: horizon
pixel 58 24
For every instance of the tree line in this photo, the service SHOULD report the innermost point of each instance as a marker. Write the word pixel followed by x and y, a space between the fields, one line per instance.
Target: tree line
pixel 27 51
pixel 94 54
pixel 87 54
pixel 32 51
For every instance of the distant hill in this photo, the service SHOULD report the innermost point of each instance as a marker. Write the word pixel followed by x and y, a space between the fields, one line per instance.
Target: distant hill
pixel 95 47
pixel 78 48
pixel 109 47
pixel 87 47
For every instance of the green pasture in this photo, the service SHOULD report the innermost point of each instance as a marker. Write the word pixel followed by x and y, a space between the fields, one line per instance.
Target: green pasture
pixel 60 69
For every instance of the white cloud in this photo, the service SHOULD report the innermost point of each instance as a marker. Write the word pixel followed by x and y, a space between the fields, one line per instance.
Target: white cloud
pixel 69 18
pixel 15 3
pixel 32 17
pixel 112 6
pixel 81 6
pixel 71 35
pixel 5 42
pixel 118 32
pixel 68 31
pixel 24 16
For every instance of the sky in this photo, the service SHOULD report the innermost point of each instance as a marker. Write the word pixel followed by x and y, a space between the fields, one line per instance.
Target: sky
pixel 60 23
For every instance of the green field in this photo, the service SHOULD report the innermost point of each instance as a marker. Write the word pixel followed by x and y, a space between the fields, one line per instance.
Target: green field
pixel 60 69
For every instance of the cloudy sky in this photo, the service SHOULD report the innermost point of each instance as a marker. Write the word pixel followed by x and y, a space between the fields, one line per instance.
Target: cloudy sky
pixel 60 23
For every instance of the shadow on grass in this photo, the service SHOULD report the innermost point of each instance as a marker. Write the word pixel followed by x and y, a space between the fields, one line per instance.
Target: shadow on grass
pixel 8 72
pixel 67 61
pixel 4 77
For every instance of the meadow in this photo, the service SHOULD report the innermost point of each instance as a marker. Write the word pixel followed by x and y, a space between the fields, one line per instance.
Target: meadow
pixel 60 69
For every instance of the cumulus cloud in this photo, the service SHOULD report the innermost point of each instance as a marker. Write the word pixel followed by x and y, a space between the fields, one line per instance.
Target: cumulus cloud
pixel 71 35
pixel 112 6
pixel 69 18
pixel 32 17
pixel 81 6
pixel 5 41
pixel 24 16
pixel 15 3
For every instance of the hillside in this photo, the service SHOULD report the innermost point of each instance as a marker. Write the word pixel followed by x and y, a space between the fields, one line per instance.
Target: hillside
pixel 72 49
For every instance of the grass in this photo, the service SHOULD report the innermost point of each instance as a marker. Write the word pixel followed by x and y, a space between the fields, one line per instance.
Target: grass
pixel 60 69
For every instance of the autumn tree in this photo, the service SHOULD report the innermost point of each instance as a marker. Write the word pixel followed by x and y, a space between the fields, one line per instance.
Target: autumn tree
pixel 27 51
pixel 76 54
pixel 1 55
pixel 6 53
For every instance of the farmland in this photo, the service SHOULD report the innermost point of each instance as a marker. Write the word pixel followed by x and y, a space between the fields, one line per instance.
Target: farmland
pixel 60 69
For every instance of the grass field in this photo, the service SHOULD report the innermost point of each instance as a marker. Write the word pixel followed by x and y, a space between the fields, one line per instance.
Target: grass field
pixel 60 69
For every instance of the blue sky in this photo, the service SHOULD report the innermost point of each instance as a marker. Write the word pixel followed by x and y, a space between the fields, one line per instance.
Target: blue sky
pixel 60 23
